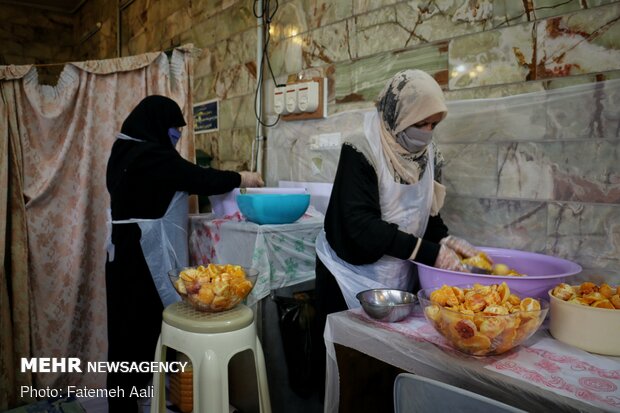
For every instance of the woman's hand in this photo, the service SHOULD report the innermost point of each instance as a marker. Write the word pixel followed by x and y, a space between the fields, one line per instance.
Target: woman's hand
pixel 251 179
pixel 460 246
pixel 448 259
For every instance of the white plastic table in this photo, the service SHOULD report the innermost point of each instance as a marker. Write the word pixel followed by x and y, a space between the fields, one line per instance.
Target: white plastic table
pixel 283 254
pixel 542 374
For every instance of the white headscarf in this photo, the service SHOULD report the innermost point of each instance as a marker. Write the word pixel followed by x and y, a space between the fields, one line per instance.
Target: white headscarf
pixel 408 98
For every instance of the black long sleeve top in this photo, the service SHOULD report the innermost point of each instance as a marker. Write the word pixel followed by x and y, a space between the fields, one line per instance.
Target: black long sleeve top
pixel 142 178
pixel 353 224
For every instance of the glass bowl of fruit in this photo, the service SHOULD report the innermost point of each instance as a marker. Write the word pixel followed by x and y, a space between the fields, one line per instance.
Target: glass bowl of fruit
pixel 214 287
pixel 482 320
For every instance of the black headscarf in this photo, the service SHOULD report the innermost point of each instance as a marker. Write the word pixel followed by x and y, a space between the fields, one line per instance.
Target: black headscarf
pixel 151 119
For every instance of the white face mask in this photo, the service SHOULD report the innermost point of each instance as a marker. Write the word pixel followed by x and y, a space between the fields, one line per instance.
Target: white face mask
pixel 414 139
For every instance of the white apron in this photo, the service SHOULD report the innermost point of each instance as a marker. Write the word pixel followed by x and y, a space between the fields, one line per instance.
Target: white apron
pixel 164 242
pixel 408 206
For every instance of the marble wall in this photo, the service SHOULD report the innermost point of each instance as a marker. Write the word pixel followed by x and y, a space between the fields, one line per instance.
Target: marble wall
pixel 95 31
pixel 474 48
pixel 35 36
pixel 226 69
pixel 561 187
pixel 544 181
pixel 538 172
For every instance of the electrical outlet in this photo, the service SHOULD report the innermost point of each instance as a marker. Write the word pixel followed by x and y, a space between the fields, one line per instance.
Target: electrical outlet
pixel 306 100
pixel 325 141
pixel 291 98
pixel 308 96
pixel 279 100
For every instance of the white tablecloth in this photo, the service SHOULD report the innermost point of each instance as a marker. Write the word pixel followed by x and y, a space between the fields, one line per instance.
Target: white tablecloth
pixel 542 374
pixel 283 254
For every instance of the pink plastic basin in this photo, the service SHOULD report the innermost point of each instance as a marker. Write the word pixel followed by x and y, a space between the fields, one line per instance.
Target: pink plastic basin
pixel 543 272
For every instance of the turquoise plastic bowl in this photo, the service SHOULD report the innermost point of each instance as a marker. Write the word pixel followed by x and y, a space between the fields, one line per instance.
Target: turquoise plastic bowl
pixel 273 208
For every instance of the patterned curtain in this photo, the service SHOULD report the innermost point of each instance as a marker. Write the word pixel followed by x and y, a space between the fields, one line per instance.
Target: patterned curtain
pixel 54 146
pixel 14 280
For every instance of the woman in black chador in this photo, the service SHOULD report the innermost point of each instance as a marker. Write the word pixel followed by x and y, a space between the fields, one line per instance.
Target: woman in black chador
pixel 149 182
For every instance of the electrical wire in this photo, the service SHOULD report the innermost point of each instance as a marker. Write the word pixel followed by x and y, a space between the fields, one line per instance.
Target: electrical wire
pixel 267 17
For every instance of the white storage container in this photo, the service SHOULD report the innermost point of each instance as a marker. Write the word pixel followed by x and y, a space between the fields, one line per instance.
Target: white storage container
pixel 596 330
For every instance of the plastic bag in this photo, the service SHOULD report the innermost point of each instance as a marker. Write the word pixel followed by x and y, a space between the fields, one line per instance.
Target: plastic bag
pixel 297 320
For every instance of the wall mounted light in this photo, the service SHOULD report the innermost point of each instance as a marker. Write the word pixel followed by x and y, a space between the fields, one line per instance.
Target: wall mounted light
pixel 91 32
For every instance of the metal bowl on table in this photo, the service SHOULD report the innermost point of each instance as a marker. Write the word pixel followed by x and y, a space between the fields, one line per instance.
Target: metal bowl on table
pixel 387 305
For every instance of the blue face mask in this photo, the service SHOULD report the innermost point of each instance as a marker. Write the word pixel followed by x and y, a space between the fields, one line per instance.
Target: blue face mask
pixel 174 135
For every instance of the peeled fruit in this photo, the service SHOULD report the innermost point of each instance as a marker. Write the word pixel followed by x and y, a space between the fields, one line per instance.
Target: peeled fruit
pixel 501 269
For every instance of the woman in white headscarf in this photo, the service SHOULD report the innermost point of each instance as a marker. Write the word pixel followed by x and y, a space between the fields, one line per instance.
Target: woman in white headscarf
pixel 384 207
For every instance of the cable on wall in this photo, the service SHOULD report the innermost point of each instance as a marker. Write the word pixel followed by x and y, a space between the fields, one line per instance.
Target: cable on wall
pixel 266 14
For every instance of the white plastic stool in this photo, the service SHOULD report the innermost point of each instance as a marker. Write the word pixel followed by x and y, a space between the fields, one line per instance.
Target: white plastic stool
pixel 210 340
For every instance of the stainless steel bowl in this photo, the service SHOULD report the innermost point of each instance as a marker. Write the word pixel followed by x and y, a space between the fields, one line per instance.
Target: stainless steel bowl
pixel 388 305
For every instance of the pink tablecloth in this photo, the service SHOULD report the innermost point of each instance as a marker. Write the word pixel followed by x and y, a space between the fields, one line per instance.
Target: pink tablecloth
pixel 553 375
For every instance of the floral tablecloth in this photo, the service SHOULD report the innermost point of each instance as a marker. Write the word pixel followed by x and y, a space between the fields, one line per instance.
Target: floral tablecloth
pixel 283 254
pixel 542 374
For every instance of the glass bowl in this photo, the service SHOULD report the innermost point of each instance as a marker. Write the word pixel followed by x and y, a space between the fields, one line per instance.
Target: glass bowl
pixel 482 320
pixel 388 305
pixel 215 287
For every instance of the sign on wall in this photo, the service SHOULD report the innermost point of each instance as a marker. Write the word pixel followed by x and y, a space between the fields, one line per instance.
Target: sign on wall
pixel 206 116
